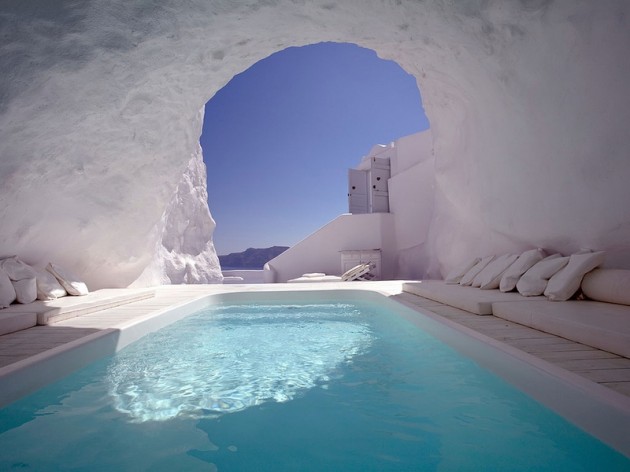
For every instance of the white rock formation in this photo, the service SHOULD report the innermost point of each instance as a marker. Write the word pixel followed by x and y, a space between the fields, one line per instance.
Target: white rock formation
pixel 99 119
pixel 184 252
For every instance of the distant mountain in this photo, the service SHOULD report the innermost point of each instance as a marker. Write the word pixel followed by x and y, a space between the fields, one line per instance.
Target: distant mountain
pixel 251 258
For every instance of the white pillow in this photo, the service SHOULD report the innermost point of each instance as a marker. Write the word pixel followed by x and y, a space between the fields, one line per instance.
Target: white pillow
pixel 490 277
pixel 7 292
pixel 68 281
pixel 16 269
pixel 455 275
pixel 608 285
pixel 472 273
pixel 566 282
pixel 48 288
pixel 525 262
pixel 476 282
pixel 25 290
pixel 534 281
pixel 22 277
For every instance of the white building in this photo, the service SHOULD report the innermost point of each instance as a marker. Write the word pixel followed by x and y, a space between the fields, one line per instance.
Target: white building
pixel 390 200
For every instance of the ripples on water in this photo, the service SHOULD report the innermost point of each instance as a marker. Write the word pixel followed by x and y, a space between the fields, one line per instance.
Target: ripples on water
pixel 228 359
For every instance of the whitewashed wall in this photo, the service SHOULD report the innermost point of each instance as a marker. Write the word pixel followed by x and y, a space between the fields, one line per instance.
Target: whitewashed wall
pixel 320 251
pixel 412 204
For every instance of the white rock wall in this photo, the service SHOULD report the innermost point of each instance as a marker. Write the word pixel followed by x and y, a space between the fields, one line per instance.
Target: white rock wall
pixel 99 120
pixel 184 251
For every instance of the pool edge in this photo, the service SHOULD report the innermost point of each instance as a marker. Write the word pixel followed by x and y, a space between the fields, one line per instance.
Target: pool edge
pixel 25 377
pixel 609 422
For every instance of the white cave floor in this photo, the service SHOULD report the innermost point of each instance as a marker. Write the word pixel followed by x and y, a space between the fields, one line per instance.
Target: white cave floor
pixel 604 368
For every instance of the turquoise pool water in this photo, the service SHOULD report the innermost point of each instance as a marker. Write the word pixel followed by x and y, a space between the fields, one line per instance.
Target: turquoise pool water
pixel 278 387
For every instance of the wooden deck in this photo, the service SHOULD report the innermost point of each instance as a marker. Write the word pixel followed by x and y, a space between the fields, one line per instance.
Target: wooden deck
pixel 604 368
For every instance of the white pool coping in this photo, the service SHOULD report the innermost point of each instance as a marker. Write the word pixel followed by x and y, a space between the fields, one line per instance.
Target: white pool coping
pixel 598 410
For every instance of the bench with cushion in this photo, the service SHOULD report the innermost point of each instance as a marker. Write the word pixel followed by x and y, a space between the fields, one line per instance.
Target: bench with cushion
pixel 464 297
pixel 22 316
pixel 11 321
pixel 602 322
pixel 602 325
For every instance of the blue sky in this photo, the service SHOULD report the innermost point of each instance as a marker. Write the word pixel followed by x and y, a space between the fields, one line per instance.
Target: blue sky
pixel 278 139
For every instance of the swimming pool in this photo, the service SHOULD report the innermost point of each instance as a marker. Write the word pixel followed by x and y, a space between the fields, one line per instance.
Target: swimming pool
pixel 289 382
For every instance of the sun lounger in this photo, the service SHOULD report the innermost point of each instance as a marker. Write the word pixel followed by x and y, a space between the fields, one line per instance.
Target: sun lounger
pixel 359 272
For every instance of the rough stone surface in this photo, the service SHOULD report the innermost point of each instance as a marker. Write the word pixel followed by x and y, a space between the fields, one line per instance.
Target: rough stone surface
pixel 99 120
pixel 184 252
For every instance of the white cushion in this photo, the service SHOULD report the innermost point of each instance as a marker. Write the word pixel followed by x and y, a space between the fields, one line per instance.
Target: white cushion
pixel 22 277
pixel 608 285
pixel 490 277
pixel 25 290
pixel 566 282
pixel 16 269
pixel 11 321
pixel 465 298
pixel 68 281
pixel 314 274
pixel 534 281
pixel 601 325
pixel 468 277
pixel 324 278
pixel 48 287
pixel 455 275
pixel 513 273
pixel 7 292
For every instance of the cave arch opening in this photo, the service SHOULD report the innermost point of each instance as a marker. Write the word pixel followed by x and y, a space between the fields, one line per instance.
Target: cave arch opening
pixel 528 105
pixel 279 137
